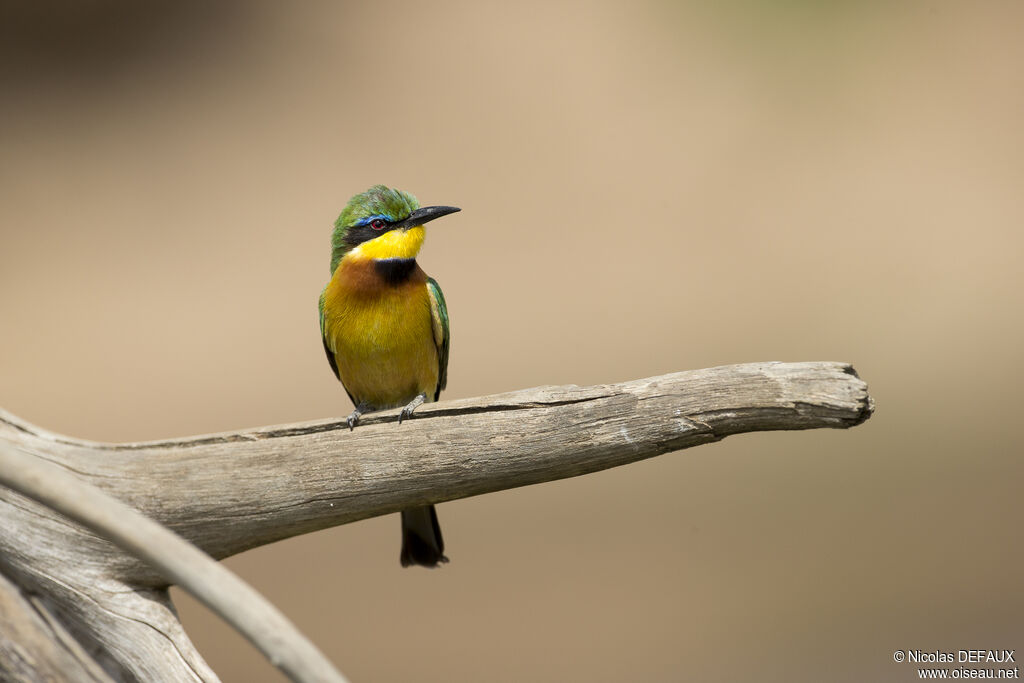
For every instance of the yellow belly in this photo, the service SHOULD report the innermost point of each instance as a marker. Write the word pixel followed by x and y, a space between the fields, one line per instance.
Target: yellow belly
pixel 383 343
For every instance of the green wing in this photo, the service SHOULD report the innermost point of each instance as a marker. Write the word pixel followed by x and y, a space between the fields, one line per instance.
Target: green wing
pixel 442 333
pixel 323 336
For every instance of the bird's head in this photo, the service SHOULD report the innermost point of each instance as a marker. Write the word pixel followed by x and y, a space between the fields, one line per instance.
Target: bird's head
pixel 382 223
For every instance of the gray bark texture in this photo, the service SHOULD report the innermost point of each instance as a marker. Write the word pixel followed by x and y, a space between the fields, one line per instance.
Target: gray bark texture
pixel 74 606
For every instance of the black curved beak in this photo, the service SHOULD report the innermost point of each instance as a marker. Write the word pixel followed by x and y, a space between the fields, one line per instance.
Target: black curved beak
pixel 426 214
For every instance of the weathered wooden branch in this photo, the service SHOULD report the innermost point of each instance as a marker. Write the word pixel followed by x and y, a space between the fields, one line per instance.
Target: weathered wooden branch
pixel 176 559
pixel 230 492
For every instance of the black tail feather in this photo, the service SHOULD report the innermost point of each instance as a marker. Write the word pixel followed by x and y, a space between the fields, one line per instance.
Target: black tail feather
pixel 421 538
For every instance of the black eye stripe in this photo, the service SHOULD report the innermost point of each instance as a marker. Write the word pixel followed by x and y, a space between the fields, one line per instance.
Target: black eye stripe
pixel 358 234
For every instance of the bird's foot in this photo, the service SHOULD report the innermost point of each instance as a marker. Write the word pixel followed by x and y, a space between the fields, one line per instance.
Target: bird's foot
pixel 413 405
pixel 353 419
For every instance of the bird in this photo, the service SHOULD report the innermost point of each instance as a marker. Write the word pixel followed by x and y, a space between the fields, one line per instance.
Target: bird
pixel 385 327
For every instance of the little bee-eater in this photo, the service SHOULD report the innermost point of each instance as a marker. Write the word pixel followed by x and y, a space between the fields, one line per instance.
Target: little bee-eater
pixel 385 326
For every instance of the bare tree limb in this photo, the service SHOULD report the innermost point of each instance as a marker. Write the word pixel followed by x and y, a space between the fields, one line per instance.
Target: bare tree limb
pixel 230 492
pixel 34 645
pixel 179 561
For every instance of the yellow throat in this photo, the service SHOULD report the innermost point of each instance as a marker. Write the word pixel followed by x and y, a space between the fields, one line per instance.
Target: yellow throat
pixel 392 244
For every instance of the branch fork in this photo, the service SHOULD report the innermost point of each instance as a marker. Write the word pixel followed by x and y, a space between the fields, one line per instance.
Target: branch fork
pixel 93 607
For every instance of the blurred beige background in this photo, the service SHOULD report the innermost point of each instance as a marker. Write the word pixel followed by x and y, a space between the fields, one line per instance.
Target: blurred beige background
pixel 646 187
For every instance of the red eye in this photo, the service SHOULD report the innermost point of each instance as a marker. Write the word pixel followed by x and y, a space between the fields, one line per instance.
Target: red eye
pixel 377 224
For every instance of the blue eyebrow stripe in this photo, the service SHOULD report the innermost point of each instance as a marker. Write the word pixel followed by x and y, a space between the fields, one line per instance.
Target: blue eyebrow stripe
pixel 370 219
